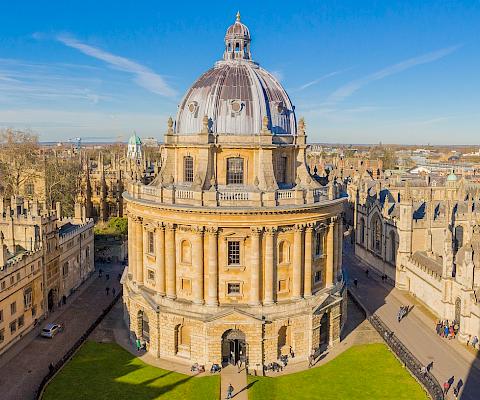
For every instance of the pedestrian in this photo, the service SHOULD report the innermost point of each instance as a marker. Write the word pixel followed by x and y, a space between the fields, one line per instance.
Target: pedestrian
pixel 107 277
pixel 366 272
pixel 355 282
pixel 430 366
pixel 445 331
pixel 229 391
pixel 51 368
pixel 107 289
pixel 474 342
pixel 138 344
pixel 446 386
pixel 100 272
pixel 113 292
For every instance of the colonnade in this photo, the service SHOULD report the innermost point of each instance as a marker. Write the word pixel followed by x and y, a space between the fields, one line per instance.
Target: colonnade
pixel 261 268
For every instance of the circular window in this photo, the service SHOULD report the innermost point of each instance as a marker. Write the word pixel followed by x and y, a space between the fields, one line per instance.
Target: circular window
pixel 280 107
pixel 192 106
pixel 236 106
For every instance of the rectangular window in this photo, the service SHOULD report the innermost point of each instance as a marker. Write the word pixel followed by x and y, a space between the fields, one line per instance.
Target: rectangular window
pixel 27 298
pixel 13 308
pixel 186 285
pixel 65 269
pixel 2 335
pixel 151 243
pixel 151 275
pixel 281 169
pixel 233 253
pixel 1 315
pixel 318 276
pixel 188 169
pixel 233 288
pixel 21 321
pixel 318 243
pixel 34 311
pixel 282 285
pixel 18 276
pixel 235 171
pixel 3 285
pixel 13 326
pixel 12 280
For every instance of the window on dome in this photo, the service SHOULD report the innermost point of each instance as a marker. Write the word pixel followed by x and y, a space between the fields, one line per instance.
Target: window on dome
pixel 281 170
pixel 188 169
pixel 237 47
pixel 235 171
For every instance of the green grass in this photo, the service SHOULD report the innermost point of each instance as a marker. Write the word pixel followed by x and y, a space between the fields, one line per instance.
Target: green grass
pixel 361 372
pixel 107 371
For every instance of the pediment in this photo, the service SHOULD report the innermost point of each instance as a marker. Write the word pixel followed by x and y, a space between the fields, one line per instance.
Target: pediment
pixel 235 316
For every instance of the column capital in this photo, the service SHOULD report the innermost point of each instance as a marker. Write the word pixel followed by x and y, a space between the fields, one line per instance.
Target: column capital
pixel 271 230
pixel 197 228
pixel 212 230
pixel 137 219
pixel 255 231
pixel 170 226
pixel 299 228
pixel 160 225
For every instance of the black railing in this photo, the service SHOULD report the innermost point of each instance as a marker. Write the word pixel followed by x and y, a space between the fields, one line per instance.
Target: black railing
pixel 425 378
pixel 69 354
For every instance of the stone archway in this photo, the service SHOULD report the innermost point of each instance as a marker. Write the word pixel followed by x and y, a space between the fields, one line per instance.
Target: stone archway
pixel 284 341
pixel 234 347
pixel 324 330
pixel 143 326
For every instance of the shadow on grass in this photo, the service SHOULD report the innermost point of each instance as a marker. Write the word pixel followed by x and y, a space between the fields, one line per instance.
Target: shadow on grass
pixel 106 371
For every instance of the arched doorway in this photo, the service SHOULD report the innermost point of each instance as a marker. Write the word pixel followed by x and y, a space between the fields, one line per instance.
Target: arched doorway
pixel 234 347
pixel 284 342
pixel 51 299
pixel 324 330
pixel 143 326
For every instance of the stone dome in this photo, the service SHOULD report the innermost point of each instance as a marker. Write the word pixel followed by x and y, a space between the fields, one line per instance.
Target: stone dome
pixel 236 94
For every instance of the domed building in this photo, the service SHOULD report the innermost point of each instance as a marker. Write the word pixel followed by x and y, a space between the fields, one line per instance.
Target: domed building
pixel 235 247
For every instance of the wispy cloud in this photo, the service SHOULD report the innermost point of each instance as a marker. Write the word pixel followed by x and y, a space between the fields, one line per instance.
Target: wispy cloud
pixel 143 76
pixel 322 78
pixel 353 86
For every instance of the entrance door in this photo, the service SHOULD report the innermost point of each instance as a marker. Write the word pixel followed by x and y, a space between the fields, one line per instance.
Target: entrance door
pixel 234 347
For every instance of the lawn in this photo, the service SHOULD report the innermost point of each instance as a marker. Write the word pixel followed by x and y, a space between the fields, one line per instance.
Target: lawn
pixel 107 371
pixel 361 372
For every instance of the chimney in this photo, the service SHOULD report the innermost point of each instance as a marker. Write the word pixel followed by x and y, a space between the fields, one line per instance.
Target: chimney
pixel 58 208
pixel 3 251
pixel 78 211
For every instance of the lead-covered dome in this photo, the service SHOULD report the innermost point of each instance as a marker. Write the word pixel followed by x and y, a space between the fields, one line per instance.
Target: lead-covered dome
pixel 236 94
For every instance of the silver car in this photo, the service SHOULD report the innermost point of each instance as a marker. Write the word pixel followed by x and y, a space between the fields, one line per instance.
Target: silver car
pixel 50 330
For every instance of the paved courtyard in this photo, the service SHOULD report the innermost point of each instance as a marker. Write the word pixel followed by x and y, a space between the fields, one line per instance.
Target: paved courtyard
pixel 417 330
pixel 26 363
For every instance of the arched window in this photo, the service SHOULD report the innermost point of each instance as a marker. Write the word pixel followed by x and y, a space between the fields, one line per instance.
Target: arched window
pixel 186 255
pixel 235 171
pixel 393 247
pixel 281 169
pixel 318 242
pixel 182 340
pixel 284 252
pixel 377 234
pixel 188 169
pixel 361 231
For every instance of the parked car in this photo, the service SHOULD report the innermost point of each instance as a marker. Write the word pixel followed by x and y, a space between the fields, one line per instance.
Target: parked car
pixel 50 330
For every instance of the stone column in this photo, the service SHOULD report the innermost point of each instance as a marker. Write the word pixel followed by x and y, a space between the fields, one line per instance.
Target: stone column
pixel 139 250
pixel 170 267
pixel 131 253
pixel 340 246
pixel 160 259
pixel 212 234
pixel 197 264
pixel 308 262
pixel 268 297
pixel 297 262
pixel 255 267
pixel 335 252
pixel 330 255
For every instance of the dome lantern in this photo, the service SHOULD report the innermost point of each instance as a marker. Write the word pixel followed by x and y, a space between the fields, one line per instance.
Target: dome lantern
pixel 237 41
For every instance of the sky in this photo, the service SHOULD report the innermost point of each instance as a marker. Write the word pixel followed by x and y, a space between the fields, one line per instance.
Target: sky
pixel 357 71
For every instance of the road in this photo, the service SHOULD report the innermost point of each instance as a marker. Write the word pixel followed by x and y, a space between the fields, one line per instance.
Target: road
pixel 26 363
pixel 416 330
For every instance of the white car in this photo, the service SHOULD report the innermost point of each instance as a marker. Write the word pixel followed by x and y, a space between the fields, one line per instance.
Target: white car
pixel 50 330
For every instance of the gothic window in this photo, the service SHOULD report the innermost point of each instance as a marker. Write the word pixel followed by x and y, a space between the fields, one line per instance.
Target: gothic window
pixel 284 252
pixel 233 252
pixel 188 169
pixel 318 243
pixel 65 269
pixel 393 247
pixel 361 231
pixel 186 250
pixel 151 243
pixel 235 171
pixel 377 234
pixel 27 298
pixel 281 169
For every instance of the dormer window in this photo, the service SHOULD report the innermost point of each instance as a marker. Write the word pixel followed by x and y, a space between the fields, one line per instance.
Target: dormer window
pixel 235 171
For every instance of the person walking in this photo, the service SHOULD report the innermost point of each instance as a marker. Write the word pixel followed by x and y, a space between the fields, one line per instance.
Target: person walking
pixel 229 391
pixel 113 292
pixel 107 289
pixel 138 344
pixel 446 387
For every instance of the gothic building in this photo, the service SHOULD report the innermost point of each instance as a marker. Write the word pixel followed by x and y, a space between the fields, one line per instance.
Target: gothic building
pixel 424 234
pixel 235 247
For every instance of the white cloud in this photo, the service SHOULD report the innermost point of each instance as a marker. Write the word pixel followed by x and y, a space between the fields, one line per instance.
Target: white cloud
pixel 143 76
pixel 322 78
pixel 353 86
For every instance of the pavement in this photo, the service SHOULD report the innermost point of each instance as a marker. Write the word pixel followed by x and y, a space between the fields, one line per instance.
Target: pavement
pixel 417 330
pixel 238 379
pixel 26 363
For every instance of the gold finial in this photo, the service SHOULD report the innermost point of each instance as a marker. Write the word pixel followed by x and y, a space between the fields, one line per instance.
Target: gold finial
pixel 238 16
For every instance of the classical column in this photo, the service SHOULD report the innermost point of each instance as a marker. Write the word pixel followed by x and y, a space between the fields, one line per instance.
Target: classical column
pixel 340 246
pixel 297 262
pixel 139 250
pixel 335 251
pixel 308 262
pixel 197 264
pixel 131 253
pixel 160 259
pixel 268 298
pixel 170 273
pixel 255 267
pixel 212 234
pixel 330 255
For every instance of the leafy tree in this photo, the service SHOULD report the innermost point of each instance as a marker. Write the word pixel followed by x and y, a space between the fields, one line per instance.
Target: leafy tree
pixel 119 225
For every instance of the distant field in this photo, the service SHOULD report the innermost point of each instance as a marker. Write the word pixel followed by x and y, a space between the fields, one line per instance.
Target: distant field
pixel 106 371
pixel 362 372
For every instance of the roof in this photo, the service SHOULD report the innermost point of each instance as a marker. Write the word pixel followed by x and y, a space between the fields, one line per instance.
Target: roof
pixel 433 263
pixel 134 139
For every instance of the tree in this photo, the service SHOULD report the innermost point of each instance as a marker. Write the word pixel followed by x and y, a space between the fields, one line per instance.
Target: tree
pixel 18 160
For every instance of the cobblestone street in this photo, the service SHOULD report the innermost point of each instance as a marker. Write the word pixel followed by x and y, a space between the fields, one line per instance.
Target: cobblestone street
pixel 26 363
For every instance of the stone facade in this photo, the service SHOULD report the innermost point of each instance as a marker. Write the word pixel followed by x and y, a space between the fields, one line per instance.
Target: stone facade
pixel 234 248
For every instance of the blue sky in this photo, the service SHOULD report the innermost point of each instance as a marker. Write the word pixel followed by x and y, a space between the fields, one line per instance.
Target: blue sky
pixel 358 71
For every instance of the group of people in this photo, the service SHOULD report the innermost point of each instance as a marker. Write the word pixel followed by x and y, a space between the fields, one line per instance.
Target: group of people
pixel 402 312
pixel 447 329
pixel 456 389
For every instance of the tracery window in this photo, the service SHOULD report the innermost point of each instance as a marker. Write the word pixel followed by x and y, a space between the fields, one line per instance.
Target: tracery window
pixel 377 234
pixel 235 171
